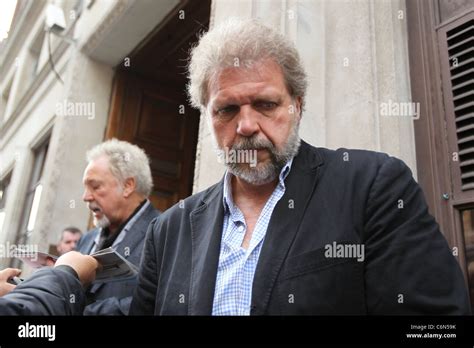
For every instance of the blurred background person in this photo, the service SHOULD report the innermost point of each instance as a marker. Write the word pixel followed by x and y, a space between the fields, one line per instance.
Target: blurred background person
pixel 69 238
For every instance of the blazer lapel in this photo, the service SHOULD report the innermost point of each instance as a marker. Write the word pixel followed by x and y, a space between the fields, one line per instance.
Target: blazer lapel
pixel 137 233
pixel 89 242
pixel 284 224
pixel 133 237
pixel 206 231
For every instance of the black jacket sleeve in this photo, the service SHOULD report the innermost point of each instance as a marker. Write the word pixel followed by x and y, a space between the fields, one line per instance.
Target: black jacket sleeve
pixel 410 268
pixel 109 306
pixel 49 291
pixel 143 302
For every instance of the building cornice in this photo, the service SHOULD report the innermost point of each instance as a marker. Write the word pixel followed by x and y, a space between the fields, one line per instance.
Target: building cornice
pixel 5 128
pixel 20 32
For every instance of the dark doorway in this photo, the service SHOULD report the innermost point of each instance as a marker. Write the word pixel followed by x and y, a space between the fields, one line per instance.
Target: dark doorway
pixel 149 104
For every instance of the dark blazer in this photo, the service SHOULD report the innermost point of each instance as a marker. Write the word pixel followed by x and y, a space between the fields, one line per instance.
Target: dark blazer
pixel 46 292
pixel 114 297
pixel 342 196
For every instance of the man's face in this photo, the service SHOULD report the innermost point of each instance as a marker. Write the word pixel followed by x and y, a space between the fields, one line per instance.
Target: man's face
pixel 251 109
pixel 68 242
pixel 103 193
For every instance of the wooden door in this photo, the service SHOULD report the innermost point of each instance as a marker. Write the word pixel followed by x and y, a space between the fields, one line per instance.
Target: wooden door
pixel 149 104
pixel 156 118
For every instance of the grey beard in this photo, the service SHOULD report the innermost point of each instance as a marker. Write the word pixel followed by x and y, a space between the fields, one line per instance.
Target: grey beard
pixel 263 173
pixel 102 223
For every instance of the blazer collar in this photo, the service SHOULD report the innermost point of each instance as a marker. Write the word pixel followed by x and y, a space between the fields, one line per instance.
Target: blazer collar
pixel 89 241
pixel 206 232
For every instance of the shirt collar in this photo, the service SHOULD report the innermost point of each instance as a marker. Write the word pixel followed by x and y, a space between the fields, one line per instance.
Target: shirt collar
pixel 227 199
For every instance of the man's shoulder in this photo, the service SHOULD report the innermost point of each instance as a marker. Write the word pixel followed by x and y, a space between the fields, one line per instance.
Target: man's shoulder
pixel 91 234
pixel 150 212
pixel 362 169
pixel 355 159
pixel 351 156
pixel 352 165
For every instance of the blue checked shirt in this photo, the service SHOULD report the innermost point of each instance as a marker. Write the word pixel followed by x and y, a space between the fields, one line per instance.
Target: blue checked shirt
pixel 236 269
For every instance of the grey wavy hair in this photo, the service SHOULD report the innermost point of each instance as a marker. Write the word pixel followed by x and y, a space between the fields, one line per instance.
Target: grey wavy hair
pixel 242 41
pixel 125 160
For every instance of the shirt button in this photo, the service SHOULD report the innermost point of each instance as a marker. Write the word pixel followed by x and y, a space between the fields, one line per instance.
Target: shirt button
pixel 241 228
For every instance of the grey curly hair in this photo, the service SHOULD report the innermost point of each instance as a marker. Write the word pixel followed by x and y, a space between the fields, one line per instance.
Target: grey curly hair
pixel 242 41
pixel 126 160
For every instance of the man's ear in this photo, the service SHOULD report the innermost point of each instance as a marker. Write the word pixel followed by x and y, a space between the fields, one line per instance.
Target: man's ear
pixel 298 106
pixel 129 186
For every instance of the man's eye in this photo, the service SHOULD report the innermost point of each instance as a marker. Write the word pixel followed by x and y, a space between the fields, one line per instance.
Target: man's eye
pixel 266 105
pixel 227 110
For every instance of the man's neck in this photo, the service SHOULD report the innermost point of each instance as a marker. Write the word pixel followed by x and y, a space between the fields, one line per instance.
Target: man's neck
pixel 243 191
pixel 251 199
pixel 127 212
pixel 113 228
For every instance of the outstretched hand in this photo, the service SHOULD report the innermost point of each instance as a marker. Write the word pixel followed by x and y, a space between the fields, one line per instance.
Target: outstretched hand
pixel 84 265
pixel 5 276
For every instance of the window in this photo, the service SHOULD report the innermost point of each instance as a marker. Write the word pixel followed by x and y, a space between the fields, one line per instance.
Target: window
pixel 33 194
pixel 441 44
pixel 4 100
pixel 23 77
pixel 457 68
pixel 4 185
pixel 34 54
pixel 468 229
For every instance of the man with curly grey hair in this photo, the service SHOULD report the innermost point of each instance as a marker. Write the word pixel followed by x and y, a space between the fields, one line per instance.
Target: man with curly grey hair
pixel 117 184
pixel 301 230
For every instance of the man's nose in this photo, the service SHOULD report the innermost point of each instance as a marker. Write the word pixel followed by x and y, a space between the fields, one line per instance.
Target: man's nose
pixel 247 121
pixel 87 197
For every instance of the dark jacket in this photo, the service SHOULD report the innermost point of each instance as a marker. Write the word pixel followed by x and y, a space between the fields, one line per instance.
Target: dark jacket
pixel 114 297
pixel 49 291
pixel 342 196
